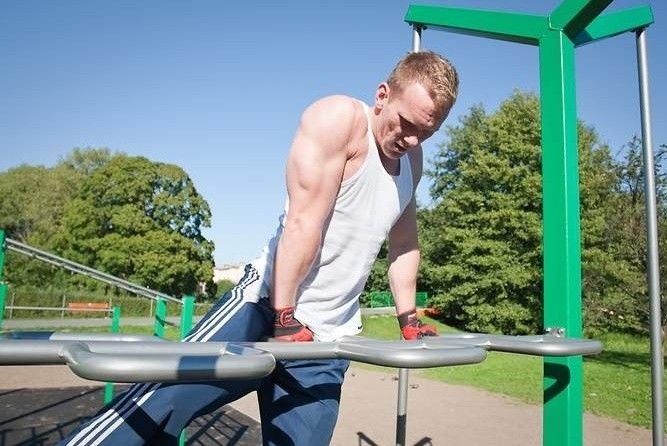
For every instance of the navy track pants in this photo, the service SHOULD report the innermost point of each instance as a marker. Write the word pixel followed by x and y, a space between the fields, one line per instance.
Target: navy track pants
pixel 298 402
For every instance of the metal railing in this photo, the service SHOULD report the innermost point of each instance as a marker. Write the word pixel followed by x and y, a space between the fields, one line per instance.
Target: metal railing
pixel 120 358
pixel 78 268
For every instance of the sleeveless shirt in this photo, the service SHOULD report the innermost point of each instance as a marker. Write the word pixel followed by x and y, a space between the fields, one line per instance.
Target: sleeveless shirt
pixel 366 207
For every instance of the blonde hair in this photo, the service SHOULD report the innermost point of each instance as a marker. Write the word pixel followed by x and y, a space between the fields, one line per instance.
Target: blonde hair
pixel 432 71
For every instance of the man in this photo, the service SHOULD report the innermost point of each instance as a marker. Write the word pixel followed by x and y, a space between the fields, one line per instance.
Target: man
pixel 351 177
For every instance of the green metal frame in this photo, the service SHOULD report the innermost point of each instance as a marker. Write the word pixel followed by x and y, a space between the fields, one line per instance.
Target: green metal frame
pixel 115 328
pixel 571 24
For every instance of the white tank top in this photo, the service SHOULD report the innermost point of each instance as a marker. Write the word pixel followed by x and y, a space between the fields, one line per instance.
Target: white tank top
pixel 366 207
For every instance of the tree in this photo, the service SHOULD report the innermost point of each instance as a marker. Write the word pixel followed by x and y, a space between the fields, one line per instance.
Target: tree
pixel 32 199
pixel 32 204
pixel 85 161
pixel 378 280
pixel 616 295
pixel 141 221
pixel 482 241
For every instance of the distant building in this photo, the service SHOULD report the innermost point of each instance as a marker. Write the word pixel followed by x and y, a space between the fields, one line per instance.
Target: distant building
pixel 228 272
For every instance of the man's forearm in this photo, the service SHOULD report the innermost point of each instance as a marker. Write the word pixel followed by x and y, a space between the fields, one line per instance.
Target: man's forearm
pixel 403 271
pixel 294 257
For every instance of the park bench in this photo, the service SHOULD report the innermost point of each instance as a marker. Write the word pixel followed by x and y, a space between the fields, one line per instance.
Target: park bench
pixel 87 306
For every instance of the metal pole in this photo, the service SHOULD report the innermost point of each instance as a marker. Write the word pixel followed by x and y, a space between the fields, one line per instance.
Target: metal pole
pixel 11 310
pixel 402 403
pixel 402 407
pixel 653 272
pixel 416 38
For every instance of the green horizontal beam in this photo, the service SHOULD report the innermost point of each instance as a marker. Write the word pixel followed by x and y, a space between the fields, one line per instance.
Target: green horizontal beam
pixel 615 23
pixel 572 16
pixel 512 27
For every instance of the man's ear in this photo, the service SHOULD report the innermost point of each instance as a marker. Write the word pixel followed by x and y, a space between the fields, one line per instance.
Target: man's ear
pixel 381 95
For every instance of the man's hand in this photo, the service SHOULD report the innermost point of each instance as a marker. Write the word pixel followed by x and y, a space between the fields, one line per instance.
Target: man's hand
pixel 413 328
pixel 288 329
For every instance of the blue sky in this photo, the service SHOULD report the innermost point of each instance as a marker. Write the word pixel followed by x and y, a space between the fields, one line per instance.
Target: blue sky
pixel 217 87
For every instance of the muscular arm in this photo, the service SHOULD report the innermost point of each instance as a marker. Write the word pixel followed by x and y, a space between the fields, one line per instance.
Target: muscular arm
pixel 404 248
pixel 315 169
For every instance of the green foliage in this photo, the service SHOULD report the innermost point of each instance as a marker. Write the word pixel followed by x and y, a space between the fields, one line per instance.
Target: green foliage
pixel 481 242
pixel 482 239
pixel 377 280
pixel 130 305
pixel 32 199
pixel 126 216
pixel 85 161
pixel 614 239
pixel 32 204
pixel 224 285
pixel 141 221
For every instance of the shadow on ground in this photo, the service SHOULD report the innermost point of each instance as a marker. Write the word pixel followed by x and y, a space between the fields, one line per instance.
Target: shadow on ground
pixel 45 416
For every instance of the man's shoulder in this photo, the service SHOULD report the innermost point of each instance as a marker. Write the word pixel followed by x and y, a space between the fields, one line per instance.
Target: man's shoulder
pixel 344 114
pixel 339 104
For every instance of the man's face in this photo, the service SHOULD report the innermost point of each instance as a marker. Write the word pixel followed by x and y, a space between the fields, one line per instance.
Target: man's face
pixel 407 118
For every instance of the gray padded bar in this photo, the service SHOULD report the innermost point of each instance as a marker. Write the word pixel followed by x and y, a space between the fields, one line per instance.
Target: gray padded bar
pixel 538 345
pixel 142 361
pixel 167 367
pixel 123 358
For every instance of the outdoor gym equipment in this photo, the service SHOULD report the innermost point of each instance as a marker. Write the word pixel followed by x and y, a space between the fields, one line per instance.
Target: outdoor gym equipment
pixel 120 358
pixel 571 24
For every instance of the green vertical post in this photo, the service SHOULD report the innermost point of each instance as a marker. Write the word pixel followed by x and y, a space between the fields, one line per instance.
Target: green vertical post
pixel 3 285
pixel 187 314
pixel 563 402
pixel 115 319
pixel 160 317
pixel 115 328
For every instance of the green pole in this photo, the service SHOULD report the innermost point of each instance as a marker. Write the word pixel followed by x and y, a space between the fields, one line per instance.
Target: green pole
pixel 563 402
pixel 187 314
pixel 160 317
pixel 115 319
pixel 115 328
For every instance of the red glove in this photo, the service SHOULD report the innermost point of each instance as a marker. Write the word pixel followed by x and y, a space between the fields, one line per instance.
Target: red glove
pixel 288 329
pixel 413 328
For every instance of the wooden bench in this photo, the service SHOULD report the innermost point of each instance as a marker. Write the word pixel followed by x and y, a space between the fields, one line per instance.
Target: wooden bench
pixel 87 306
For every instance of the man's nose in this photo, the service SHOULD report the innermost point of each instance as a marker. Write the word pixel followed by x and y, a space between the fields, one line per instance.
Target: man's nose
pixel 411 141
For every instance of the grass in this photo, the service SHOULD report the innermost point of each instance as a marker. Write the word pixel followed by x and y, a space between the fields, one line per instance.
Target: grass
pixel 170 332
pixel 616 382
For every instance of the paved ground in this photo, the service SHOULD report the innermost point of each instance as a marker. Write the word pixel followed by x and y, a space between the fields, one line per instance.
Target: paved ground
pixel 40 404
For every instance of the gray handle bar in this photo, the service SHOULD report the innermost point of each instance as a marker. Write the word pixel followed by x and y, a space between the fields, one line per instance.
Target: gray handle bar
pixel 121 358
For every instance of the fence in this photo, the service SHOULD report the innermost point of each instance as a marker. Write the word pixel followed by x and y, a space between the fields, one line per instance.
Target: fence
pixel 380 299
